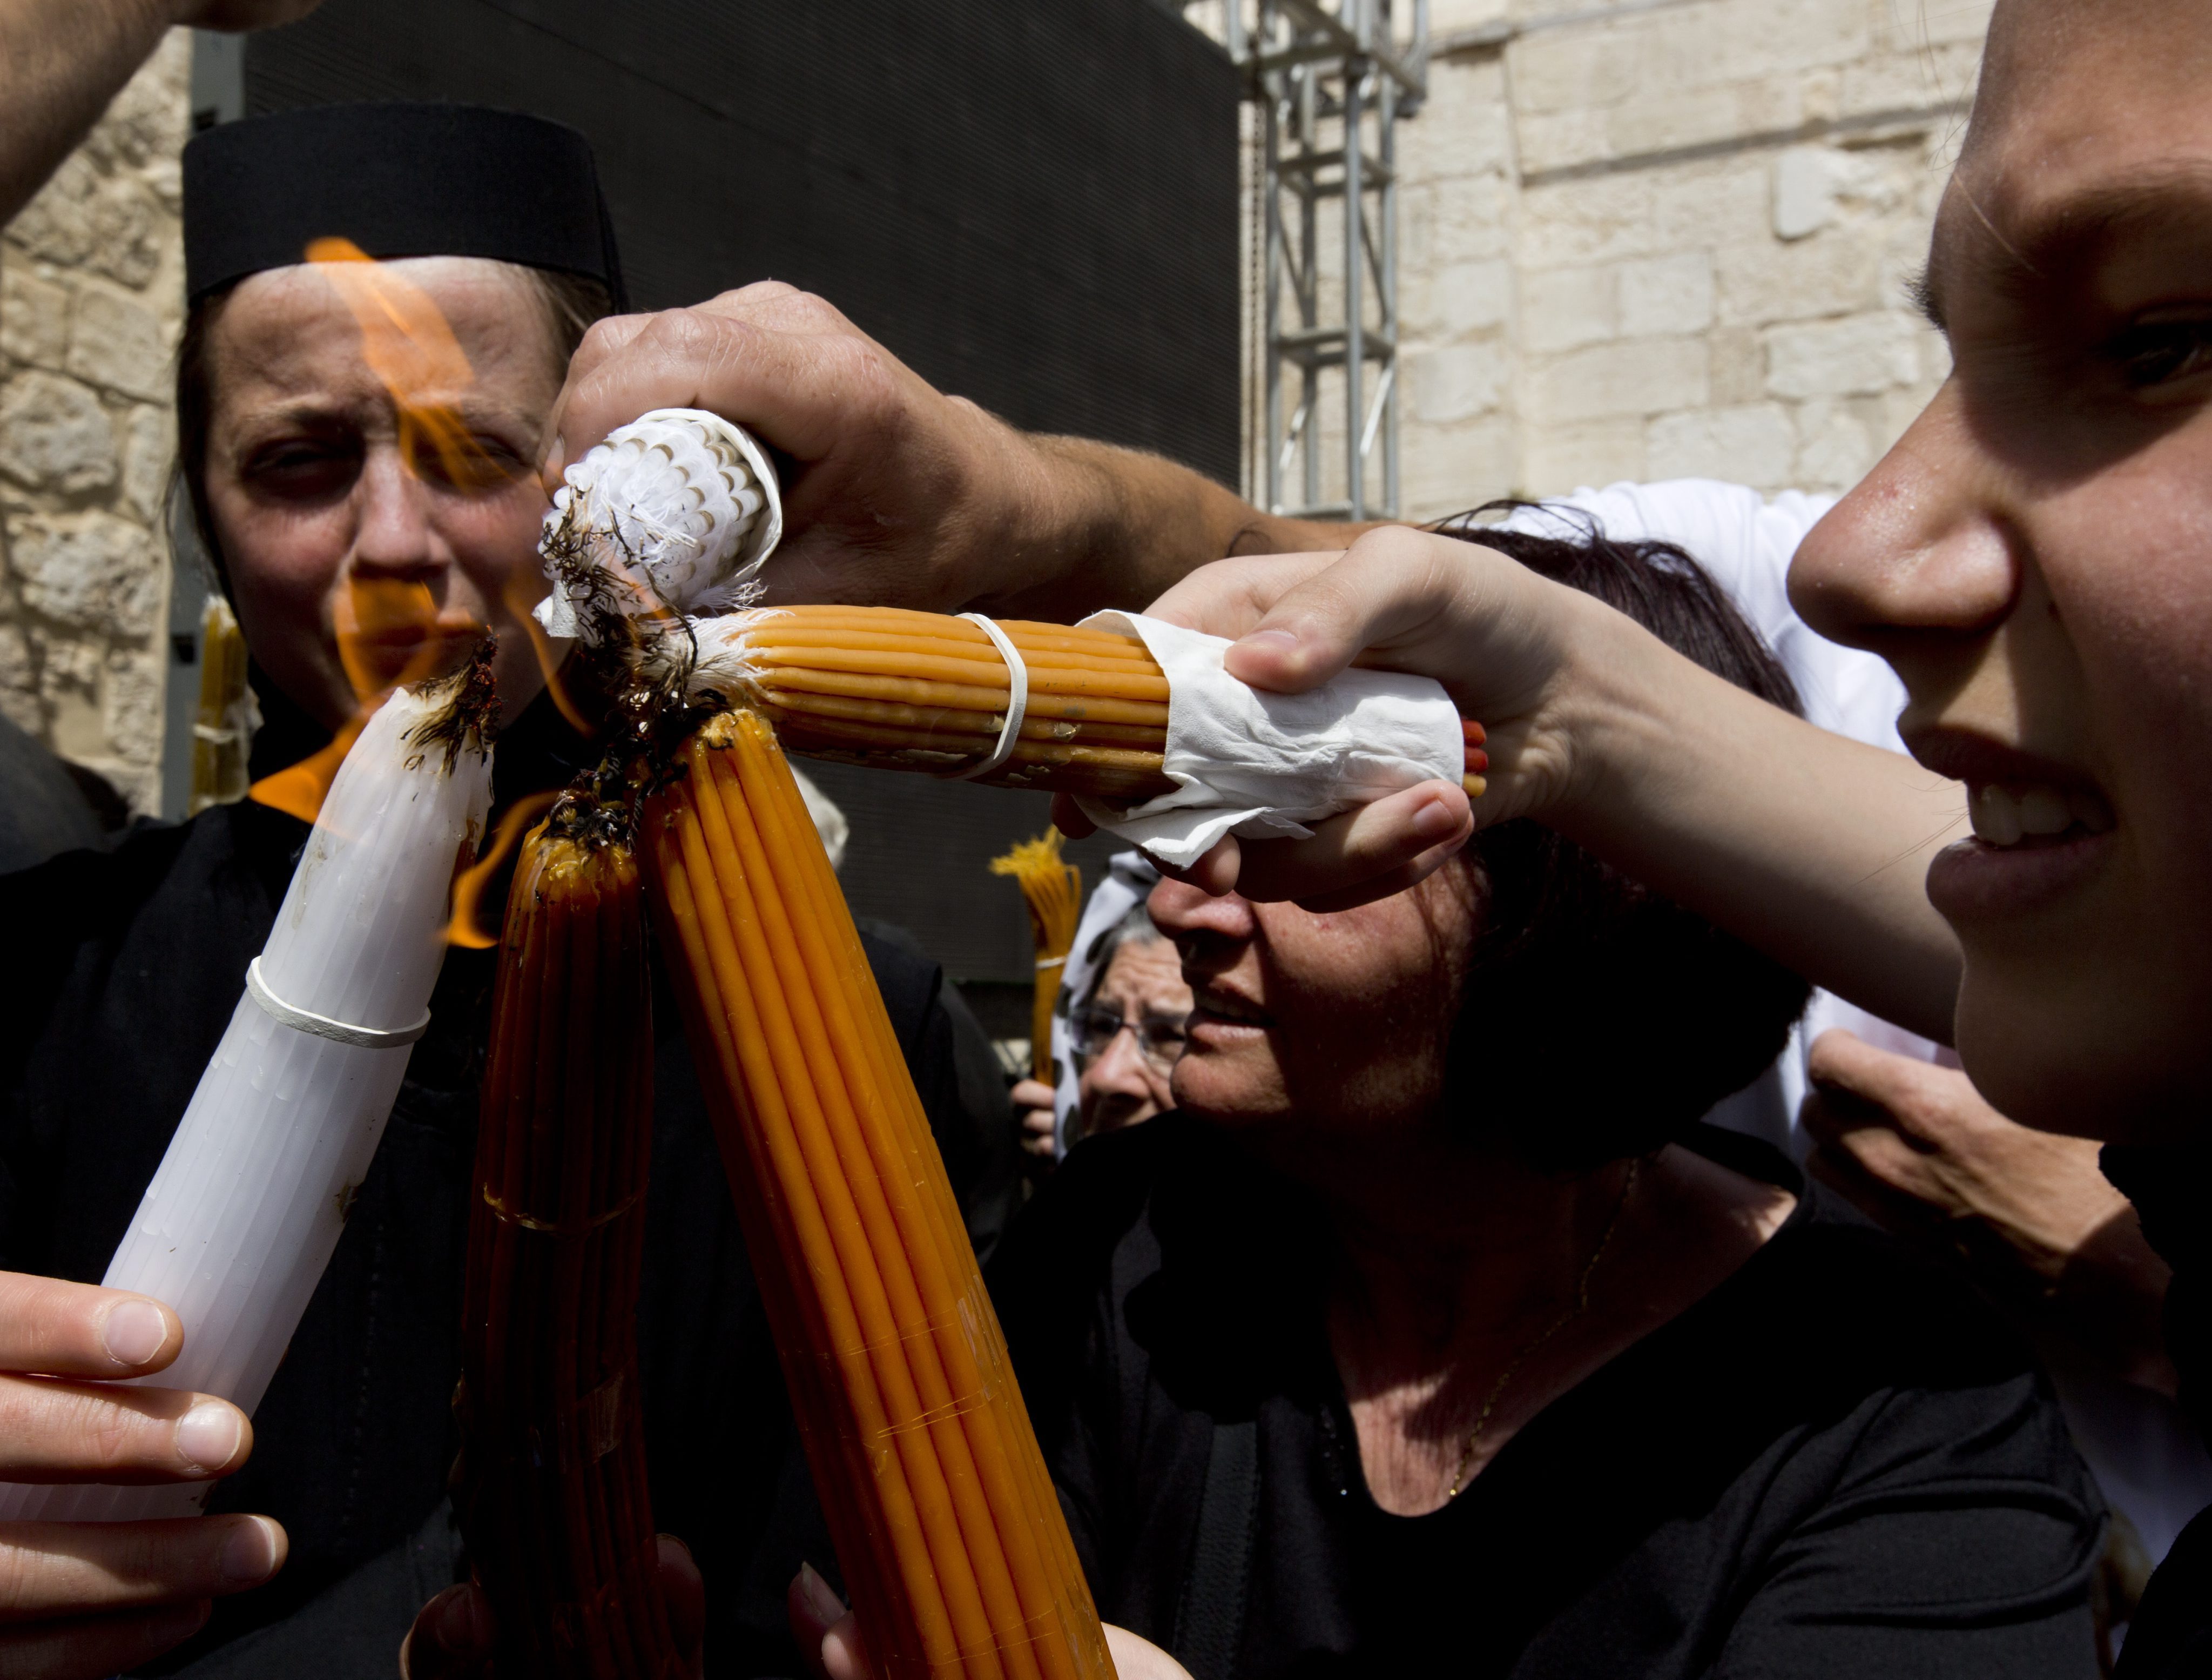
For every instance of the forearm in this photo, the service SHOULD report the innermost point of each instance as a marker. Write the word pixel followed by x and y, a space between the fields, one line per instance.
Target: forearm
pixel 61 62
pixel 1100 527
pixel 1812 846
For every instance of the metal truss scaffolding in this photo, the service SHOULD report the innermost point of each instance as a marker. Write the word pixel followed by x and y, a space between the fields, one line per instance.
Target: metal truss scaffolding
pixel 1331 78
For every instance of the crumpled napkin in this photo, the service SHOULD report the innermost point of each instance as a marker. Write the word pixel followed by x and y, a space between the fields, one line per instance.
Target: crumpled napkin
pixel 1261 765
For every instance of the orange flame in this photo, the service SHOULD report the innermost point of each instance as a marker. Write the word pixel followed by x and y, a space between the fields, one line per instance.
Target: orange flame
pixel 411 348
pixel 464 929
pixel 390 632
pixel 520 601
pixel 390 636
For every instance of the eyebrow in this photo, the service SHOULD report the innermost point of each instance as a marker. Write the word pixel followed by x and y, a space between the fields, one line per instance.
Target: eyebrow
pixel 471 408
pixel 2067 235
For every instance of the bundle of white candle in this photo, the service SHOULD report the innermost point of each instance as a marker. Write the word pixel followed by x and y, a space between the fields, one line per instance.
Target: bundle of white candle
pixel 243 1216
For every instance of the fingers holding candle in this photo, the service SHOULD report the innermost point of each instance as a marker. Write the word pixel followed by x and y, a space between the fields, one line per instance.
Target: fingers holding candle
pixel 59 1431
pixel 88 1599
pixel 80 1329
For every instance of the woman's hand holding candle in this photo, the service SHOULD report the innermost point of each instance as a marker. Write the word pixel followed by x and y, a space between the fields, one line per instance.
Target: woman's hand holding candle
pixel 93 1599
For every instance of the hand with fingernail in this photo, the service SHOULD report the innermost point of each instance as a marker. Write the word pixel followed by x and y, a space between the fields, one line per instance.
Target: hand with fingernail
pixel 830 1638
pixel 96 1598
pixel 897 494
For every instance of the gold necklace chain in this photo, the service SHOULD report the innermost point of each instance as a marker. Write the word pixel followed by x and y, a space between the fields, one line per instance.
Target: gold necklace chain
pixel 1581 1306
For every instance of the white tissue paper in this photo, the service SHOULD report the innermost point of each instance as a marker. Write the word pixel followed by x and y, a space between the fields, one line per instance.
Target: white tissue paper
pixel 1261 766
pixel 680 495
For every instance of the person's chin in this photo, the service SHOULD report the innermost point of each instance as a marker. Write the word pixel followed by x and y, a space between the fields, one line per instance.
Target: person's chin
pixel 1229 1096
pixel 2078 1050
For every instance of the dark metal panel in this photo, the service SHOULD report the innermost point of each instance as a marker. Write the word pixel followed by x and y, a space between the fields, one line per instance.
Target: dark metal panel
pixel 1031 202
pixel 1035 205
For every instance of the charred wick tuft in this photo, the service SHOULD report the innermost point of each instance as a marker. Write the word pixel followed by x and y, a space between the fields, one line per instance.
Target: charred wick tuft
pixel 468 718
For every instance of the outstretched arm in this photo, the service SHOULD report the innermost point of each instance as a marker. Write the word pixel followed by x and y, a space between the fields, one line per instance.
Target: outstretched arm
pixel 898 494
pixel 61 61
pixel 1812 846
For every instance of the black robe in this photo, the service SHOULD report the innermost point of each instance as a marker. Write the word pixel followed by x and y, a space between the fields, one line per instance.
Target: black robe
pixel 124 969
pixel 2170 1638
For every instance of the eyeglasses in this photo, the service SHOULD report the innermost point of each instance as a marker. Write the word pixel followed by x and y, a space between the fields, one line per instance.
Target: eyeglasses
pixel 1160 1038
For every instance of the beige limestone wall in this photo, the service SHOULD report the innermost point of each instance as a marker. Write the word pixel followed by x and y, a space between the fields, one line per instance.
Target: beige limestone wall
pixel 1673 240
pixel 91 288
pixel 1655 238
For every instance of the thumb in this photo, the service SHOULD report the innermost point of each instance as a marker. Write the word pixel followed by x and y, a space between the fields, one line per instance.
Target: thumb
pixel 1313 631
pixel 1842 1061
pixel 1387 597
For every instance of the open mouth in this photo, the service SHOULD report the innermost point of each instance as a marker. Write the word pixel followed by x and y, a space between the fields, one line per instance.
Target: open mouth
pixel 2036 844
pixel 2036 814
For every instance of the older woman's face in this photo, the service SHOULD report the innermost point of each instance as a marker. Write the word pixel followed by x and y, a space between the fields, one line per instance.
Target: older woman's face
pixel 327 523
pixel 2035 558
pixel 1336 1022
pixel 1121 1086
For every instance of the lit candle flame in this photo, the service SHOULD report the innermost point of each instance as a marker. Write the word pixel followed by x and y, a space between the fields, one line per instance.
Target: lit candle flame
pixel 467 928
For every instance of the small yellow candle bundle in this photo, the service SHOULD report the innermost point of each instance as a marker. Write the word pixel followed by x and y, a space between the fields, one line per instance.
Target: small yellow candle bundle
pixel 222 730
pixel 929 691
pixel 944 1516
pixel 552 1484
pixel 1052 891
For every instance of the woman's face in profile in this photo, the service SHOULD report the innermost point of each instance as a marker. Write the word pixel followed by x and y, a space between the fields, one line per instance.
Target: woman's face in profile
pixel 1329 1025
pixel 2035 558
pixel 336 517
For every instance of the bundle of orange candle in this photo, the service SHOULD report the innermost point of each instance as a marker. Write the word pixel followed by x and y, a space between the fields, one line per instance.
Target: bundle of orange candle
pixel 551 1482
pixel 953 1546
pixel 925 691
pixel 1052 891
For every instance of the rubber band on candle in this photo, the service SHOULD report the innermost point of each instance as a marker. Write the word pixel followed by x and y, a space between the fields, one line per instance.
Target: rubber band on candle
pixel 322 1026
pixel 1018 699
pixel 555 1227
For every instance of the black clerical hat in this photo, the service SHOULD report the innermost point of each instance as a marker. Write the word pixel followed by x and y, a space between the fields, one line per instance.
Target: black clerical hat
pixel 397 180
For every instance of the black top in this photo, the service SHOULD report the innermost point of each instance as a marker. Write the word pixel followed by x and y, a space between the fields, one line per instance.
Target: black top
pixel 124 970
pixel 2170 1638
pixel 1836 1463
pixel 43 810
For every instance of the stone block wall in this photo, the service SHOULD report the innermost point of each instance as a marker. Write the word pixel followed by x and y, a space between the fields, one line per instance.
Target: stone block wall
pixel 1657 237
pixel 91 291
pixel 1673 237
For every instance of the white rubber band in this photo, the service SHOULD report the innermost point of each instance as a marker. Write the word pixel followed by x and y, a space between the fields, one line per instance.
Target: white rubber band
pixel 322 1026
pixel 1018 700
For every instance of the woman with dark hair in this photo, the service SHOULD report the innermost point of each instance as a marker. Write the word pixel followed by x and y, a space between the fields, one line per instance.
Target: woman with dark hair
pixel 1435 1334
